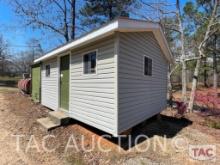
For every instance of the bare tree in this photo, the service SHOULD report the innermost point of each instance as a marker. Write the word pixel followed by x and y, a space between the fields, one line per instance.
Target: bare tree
pixel 215 72
pixel 211 29
pixel 73 16
pixel 34 48
pixel 58 16
pixel 215 60
pixel 4 56
pixel 213 48
pixel 183 52
pixel 23 61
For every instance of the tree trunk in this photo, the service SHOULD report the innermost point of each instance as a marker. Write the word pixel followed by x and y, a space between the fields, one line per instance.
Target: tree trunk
pixel 215 73
pixel 66 31
pixel 183 53
pixel 205 73
pixel 73 18
pixel 110 13
pixel 184 82
pixel 194 85
pixel 169 84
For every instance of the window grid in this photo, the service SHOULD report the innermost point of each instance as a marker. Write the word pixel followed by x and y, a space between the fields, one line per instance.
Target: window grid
pixel 89 61
pixel 147 66
pixel 47 70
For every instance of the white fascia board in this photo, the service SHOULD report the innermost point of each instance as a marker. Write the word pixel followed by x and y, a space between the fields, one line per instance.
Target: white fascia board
pixel 158 33
pixel 102 32
pixel 134 25
pixel 121 25
pixel 168 51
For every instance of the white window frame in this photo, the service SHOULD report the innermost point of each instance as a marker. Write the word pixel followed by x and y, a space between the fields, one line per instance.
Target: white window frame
pixel 96 69
pixel 47 75
pixel 144 66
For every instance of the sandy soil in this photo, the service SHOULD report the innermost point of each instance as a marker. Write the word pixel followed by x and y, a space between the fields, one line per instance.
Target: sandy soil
pixel 18 116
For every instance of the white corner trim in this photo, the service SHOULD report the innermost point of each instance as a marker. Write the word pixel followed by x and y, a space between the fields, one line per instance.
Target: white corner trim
pixel 116 61
pixel 58 83
pixel 70 56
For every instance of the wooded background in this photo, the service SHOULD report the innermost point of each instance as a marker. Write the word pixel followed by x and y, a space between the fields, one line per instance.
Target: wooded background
pixel 192 31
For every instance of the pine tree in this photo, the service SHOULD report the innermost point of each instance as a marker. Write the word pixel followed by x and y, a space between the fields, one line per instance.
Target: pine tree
pixel 97 12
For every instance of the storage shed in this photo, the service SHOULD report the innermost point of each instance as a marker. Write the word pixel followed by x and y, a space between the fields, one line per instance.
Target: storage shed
pixel 112 78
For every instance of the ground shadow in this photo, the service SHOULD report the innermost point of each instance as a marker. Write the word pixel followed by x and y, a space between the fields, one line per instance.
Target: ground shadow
pixel 168 126
pixel 206 111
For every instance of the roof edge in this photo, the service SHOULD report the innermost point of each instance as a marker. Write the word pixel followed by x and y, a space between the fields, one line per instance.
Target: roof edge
pixel 94 35
pixel 120 24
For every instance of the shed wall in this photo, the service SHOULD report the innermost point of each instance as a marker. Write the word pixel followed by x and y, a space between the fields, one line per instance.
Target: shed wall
pixel 36 82
pixel 92 96
pixel 140 96
pixel 49 88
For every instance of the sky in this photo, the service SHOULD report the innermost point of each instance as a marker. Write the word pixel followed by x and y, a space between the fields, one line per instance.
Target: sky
pixel 17 35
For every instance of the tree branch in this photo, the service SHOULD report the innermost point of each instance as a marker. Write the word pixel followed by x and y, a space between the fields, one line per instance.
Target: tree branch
pixel 59 6
pixel 173 29
pixel 33 18
pixel 155 8
pixel 208 32
pixel 172 71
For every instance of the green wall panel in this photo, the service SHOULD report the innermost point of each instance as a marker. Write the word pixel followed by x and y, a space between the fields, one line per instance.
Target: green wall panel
pixel 36 82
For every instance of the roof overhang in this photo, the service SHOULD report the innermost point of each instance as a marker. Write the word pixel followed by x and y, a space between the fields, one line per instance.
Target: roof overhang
pixel 120 25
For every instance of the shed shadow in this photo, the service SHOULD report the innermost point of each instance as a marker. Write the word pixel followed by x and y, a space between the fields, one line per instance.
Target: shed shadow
pixel 168 126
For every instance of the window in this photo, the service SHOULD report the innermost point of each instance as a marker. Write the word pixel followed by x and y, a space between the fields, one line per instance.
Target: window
pixel 47 70
pixel 147 66
pixel 89 61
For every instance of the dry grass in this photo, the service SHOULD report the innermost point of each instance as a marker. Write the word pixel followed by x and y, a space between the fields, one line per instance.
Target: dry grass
pixel 7 81
pixel 8 89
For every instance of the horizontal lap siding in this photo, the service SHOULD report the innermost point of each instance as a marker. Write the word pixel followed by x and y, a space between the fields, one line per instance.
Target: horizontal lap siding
pixel 92 97
pixel 50 85
pixel 140 96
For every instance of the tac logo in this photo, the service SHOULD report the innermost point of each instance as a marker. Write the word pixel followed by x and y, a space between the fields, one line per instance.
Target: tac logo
pixel 202 152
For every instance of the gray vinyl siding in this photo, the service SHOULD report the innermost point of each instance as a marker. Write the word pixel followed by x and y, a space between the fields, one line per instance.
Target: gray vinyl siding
pixel 92 96
pixel 49 90
pixel 140 96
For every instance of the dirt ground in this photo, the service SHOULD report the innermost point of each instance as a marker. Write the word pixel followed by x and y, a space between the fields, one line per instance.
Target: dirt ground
pixel 18 116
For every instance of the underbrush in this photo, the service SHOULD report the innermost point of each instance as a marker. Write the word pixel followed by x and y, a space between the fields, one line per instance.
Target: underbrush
pixel 213 124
